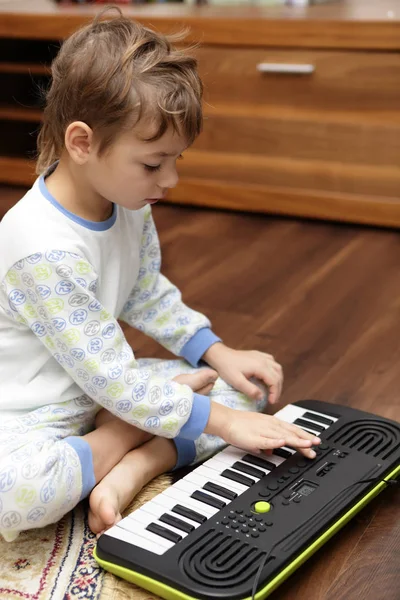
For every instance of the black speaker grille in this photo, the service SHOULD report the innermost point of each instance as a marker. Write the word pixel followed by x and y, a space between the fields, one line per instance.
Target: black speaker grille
pixel 368 436
pixel 220 560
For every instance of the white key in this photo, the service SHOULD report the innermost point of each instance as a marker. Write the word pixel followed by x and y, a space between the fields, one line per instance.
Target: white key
pixel 214 476
pixel 189 488
pixel 309 429
pixel 163 504
pixel 233 452
pixel 276 460
pixel 136 540
pixel 263 469
pixel 290 413
pixel 200 480
pixel 217 465
pixel 185 500
pixel 225 461
pixel 139 529
pixel 144 518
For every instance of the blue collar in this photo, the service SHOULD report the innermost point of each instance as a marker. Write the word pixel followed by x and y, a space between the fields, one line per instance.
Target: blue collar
pixel 93 225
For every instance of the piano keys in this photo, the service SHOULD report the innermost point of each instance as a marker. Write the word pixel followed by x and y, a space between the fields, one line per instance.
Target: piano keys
pixel 244 499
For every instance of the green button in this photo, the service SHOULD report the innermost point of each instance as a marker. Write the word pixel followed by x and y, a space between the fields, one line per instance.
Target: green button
pixel 262 507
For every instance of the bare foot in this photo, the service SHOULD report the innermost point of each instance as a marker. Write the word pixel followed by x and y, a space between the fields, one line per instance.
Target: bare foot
pixel 118 488
pixel 111 496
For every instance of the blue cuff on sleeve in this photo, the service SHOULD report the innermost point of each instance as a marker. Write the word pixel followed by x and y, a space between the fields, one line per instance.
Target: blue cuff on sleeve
pixel 194 349
pixel 198 419
pixel 186 451
pixel 84 452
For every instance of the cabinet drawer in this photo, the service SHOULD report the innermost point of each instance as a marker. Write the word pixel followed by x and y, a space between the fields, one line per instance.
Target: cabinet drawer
pixel 302 134
pixel 330 79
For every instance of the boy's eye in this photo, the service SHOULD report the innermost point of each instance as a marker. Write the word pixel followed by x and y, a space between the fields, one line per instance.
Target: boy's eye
pixel 152 168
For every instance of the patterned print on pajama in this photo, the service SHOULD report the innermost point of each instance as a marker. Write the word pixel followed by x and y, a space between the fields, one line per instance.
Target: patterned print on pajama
pixel 64 355
pixel 41 474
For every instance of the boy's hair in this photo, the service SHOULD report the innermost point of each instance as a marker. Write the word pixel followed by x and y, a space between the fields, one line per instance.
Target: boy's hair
pixel 111 74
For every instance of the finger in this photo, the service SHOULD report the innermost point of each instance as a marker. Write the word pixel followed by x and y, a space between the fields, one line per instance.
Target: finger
pixel 272 379
pixel 268 443
pixel 308 452
pixel 296 442
pixel 249 389
pixel 274 393
pixel 296 430
pixel 279 424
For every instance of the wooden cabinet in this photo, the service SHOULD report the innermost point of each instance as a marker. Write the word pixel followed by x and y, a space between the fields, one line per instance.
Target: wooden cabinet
pixel 302 115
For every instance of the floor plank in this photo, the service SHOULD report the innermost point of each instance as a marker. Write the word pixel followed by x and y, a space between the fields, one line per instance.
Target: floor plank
pixel 325 300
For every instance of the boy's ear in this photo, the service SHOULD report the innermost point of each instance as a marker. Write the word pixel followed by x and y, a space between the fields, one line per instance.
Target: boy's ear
pixel 78 141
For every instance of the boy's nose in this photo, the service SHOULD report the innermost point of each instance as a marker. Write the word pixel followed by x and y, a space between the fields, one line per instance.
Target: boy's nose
pixel 169 181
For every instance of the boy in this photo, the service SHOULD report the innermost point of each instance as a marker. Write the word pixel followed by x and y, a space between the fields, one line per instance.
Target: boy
pixel 79 414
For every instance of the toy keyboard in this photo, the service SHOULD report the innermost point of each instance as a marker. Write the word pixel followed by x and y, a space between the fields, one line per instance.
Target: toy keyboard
pixel 207 535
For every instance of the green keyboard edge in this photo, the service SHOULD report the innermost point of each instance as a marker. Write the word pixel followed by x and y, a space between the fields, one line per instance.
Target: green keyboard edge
pixel 170 593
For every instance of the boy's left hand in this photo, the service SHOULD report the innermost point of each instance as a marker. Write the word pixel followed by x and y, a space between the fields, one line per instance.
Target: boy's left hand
pixel 237 366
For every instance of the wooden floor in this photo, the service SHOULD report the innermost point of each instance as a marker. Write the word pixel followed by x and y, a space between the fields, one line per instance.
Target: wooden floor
pixel 325 300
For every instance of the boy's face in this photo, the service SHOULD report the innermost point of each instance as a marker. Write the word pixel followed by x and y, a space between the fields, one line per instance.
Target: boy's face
pixel 133 173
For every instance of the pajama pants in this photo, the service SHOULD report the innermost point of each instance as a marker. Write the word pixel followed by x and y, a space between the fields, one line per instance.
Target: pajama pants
pixel 46 466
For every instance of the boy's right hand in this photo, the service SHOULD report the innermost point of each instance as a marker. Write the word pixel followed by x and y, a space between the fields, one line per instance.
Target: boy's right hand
pixel 256 432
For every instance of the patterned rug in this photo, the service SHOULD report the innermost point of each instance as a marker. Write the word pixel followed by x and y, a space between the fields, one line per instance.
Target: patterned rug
pixel 56 562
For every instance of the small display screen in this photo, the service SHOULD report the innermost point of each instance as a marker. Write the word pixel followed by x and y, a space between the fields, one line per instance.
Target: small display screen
pixel 306 489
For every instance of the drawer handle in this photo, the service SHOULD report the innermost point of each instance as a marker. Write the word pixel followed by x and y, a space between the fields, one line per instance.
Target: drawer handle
pixel 290 68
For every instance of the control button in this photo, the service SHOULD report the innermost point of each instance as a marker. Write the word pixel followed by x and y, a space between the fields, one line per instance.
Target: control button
pixel 285 502
pixel 225 521
pixel 264 494
pixel 262 528
pixel 324 446
pixel 239 511
pixel 269 523
pixel 281 480
pixel 301 463
pixel 273 486
pixel 255 534
pixel 258 518
pixel 285 476
pixel 343 455
pixel 245 529
pixel 297 499
pixel 262 507
pixel 241 520
pixel 233 516
pixel 287 494
pixel 294 470
pixel 249 515
pixel 235 525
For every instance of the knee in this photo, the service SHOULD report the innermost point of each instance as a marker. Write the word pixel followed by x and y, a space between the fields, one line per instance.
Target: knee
pixel 38 486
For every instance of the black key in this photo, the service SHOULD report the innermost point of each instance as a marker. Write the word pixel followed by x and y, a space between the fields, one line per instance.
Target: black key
pixel 318 418
pixel 164 532
pixel 220 491
pixel 175 522
pixel 282 453
pixel 304 424
pixel 239 466
pixel 189 513
pixel 210 500
pixel 309 430
pixel 258 462
pixel 238 477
